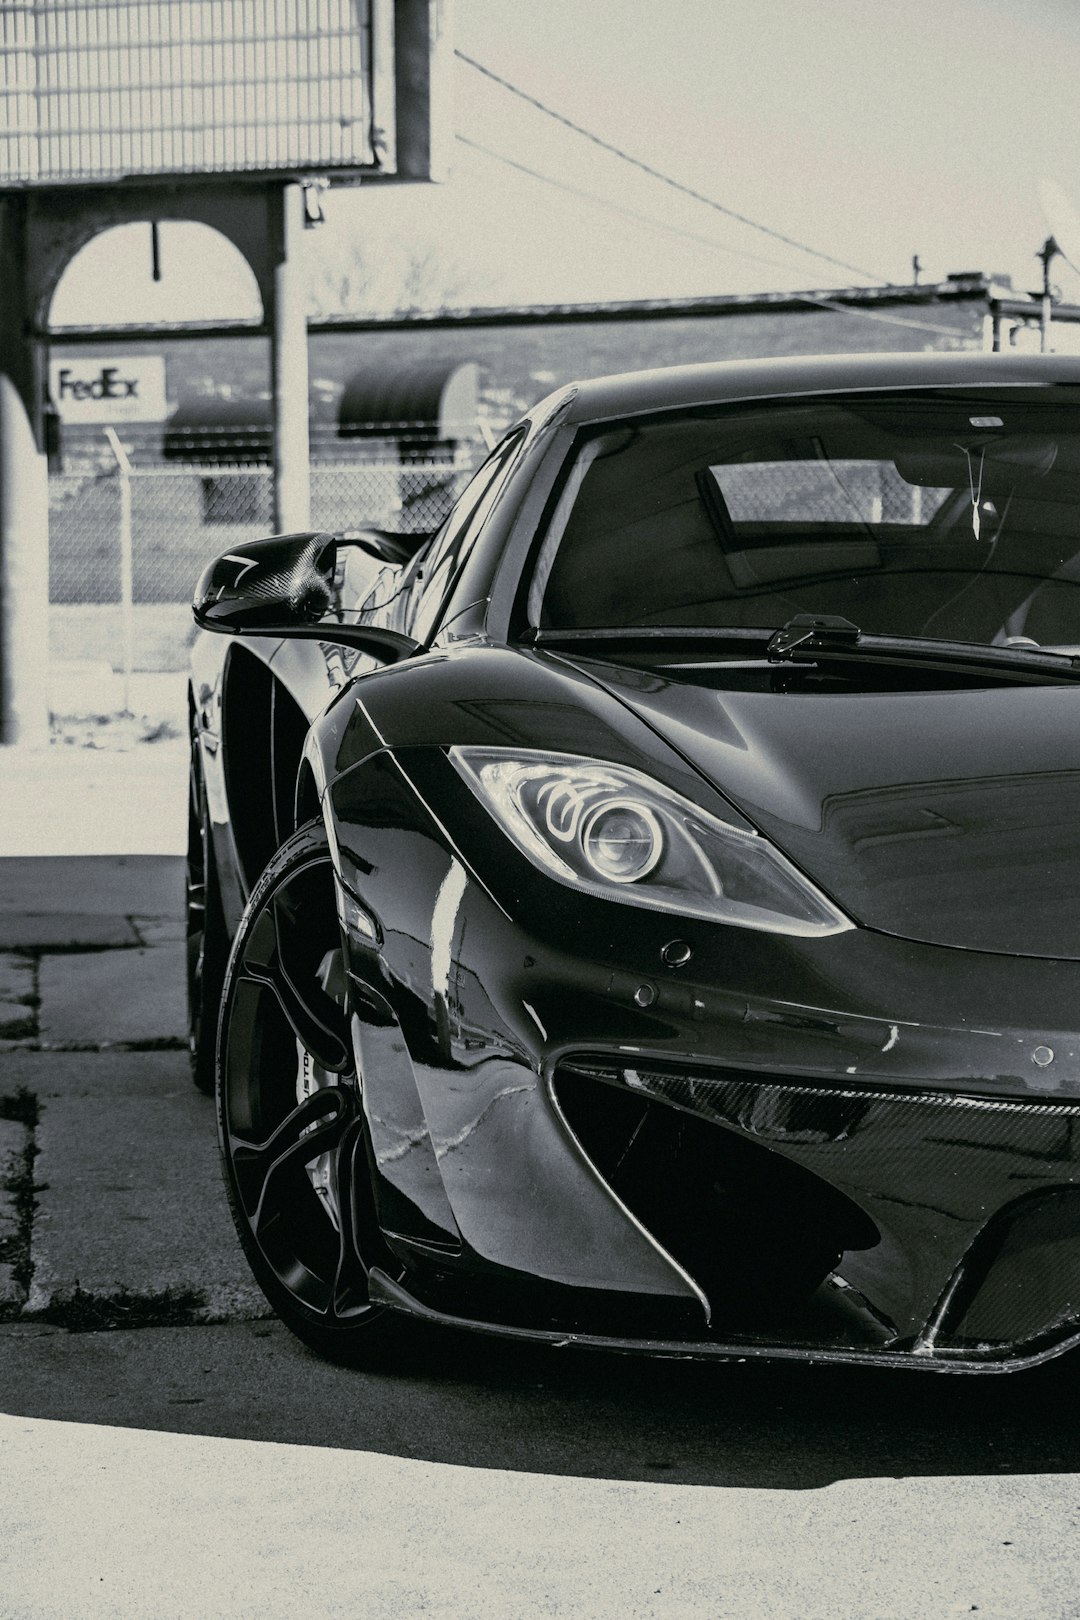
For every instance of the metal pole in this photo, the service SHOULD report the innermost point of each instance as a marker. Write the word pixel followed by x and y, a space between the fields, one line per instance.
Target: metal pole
pixel 127 570
pixel 996 341
pixel 292 475
pixel 1049 251
pixel 24 560
pixel 24 496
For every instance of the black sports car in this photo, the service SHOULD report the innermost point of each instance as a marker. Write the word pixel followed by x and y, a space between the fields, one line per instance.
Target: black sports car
pixel 655 897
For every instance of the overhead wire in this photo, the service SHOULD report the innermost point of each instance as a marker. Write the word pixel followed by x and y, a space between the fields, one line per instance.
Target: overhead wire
pixel 620 208
pixel 676 230
pixel 658 174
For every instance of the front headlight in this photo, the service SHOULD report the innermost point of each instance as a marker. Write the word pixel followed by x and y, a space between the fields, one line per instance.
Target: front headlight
pixel 613 832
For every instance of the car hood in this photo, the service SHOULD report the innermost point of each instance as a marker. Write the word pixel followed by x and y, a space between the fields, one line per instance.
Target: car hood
pixel 950 817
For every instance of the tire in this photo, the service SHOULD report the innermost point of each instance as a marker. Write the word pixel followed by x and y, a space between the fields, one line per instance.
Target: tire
pixel 293 1136
pixel 207 936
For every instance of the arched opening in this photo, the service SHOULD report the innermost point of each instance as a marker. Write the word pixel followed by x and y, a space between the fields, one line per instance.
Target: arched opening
pixel 119 278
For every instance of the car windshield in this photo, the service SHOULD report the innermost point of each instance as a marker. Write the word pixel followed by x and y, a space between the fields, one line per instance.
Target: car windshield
pixel 946 514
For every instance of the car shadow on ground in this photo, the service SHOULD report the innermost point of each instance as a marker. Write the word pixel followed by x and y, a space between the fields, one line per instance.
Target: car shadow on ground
pixel 456 1398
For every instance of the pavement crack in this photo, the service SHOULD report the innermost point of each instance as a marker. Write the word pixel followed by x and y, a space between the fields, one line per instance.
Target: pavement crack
pixel 78 947
pixel 160 1043
pixel 23 1028
pixel 19 1108
pixel 82 1312
pixel 20 1001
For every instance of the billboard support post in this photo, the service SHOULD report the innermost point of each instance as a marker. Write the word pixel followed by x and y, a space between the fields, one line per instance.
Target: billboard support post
pixel 24 500
pixel 289 367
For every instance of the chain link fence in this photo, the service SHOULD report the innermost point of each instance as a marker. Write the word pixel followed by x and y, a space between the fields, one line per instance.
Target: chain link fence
pixel 126 545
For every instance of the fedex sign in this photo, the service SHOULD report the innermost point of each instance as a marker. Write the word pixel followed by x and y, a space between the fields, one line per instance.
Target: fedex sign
pixel 88 392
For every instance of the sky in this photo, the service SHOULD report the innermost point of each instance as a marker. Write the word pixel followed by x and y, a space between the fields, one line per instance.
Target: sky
pixel 869 130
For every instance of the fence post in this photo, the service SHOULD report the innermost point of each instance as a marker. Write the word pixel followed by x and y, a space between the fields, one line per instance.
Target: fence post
pixel 127 612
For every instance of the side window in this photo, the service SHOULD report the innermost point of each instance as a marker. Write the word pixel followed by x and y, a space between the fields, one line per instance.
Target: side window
pixel 443 561
pixel 387 602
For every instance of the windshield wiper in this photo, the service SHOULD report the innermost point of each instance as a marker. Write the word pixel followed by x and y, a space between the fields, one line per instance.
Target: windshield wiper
pixel 821 638
pixel 826 632
pixel 813 639
pixel 635 635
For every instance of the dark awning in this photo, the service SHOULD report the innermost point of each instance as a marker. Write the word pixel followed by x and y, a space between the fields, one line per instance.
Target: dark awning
pixel 430 399
pixel 432 402
pixel 208 428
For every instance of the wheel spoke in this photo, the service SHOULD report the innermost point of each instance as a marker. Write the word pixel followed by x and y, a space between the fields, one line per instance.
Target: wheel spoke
pixel 327 1048
pixel 349 1292
pixel 316 1125
pixel 264 963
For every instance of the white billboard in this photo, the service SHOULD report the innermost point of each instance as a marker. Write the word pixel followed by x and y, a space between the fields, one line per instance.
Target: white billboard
pixel 110 89
pixel 91 392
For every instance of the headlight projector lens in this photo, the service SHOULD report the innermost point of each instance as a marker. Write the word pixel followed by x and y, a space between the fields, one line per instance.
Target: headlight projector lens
pixel 622 842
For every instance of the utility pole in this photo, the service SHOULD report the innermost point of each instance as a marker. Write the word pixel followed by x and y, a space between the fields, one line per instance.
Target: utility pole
pixel 1048 251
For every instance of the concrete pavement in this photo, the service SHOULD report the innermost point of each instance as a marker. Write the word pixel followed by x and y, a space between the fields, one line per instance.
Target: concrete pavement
pixel 113 1209
pixel 92 800
pixel 114 778
pixel 277 1530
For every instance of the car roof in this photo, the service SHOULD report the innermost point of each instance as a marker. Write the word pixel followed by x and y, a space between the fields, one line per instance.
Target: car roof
pixel 670 387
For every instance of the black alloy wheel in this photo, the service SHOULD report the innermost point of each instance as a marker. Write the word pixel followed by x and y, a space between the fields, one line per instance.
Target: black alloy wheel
pixel 290 1116
pixel 207 936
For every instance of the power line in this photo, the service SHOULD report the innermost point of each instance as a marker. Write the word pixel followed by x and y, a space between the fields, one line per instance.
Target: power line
pixel 618 208
pixel 693 236
pixel 658 174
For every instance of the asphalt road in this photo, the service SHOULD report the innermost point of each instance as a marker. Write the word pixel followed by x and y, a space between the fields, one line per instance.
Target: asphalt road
pixel 216 1467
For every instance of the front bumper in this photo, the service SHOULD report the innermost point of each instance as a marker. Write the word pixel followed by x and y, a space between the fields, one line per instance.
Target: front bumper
pixel 855 1149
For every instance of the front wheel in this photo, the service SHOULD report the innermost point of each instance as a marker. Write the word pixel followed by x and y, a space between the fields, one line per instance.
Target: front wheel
pixel 291 1123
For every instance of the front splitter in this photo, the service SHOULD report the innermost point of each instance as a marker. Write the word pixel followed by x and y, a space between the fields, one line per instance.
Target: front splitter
pixel 383 1290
